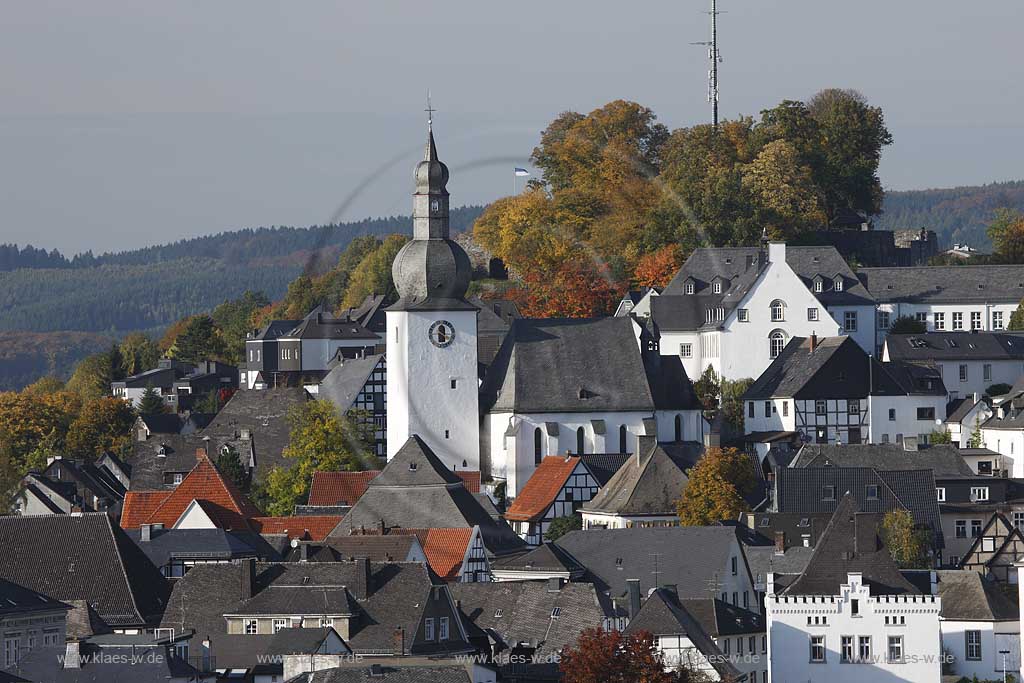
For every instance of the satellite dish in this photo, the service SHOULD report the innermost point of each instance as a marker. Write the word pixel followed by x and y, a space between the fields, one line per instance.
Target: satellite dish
pixel 295 543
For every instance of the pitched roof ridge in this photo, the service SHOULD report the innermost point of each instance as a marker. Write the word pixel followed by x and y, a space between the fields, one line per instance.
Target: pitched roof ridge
pixel 124 571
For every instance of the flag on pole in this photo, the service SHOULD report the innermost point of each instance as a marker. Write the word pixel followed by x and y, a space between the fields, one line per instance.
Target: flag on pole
pixel 521 172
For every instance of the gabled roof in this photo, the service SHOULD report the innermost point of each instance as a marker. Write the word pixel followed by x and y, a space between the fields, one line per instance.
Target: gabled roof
pixel 959 408
pixel 166 544
pixel 542 488
pixel 954 346
pixel 374 547
pixel 415 490
pixel 968 596
pixel 612 556
pixel 342 385
pixel 547 557
pixel 945 284
pixel 580 365
pixel 162 423
pixel 226 506
pixel 339 488
pixel 603 465
pixel 445 548
pixel 646 485
pixel 139 506
pixel 850 544
pixel 943 460
pixel 305 527
pixel 83 557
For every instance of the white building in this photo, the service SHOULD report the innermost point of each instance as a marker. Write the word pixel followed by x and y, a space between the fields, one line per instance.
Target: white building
pixel 964 417
pixel 829 391
pixel 580 386
pixel 979 624
pixel 431 332
pixel 735 309
pixel 851 616
pixel 945 298
pixel 969 362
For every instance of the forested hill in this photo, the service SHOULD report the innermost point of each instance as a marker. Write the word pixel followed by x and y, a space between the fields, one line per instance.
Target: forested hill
pixel 957 214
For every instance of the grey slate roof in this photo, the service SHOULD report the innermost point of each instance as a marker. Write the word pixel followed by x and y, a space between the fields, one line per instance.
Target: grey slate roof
pixel 603 465
pixel 959 408
pixel 320 325
pixel 166 544
pixel 389 674
pixel 968 596
pixel 83 557
pixel 546 557
pixel 343 383
pixel 161 453
pixel 415 490
pixel 944 460
pixel 389 548
pixel 527 608
pixel 612 556
pixel 646 485
pixel 850 544
pixel 139 663
pixel 764 560
pixel 945 284
pixel 801 490
pixel 581 365
pixel 954 346
pixel 16 599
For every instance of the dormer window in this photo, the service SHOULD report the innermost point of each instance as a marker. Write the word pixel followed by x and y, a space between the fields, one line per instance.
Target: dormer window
pixel 412 467
pixel 837 284
pixel 717 287
pixel 819 284
pixel 688 288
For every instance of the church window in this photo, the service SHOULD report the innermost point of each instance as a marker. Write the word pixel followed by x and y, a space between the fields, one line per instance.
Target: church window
pixel 778 309
pixel 679 428
pixel 435 205
pixel 455 383
pixel 580 441
pixel 622 438
pixel 538 446
pixel 776 342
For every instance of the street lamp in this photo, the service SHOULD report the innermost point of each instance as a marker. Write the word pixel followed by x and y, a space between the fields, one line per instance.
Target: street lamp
pixel 1004 653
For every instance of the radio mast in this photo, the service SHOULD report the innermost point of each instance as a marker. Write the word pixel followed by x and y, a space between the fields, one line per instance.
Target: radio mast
pixel 715 57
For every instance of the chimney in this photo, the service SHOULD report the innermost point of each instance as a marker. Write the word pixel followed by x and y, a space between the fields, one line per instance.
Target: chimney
pixel 73 655
pixel 362 580
pixel 145 533
pixel 644 445
pixel 780 542
pixel 671 589
pixel 206 654
pixel 399 640
pixel 813 342
pixel 633 586
pixel 201 453
pixel 776 252
pixel 554 584
pixel 303 552
pixel 248 578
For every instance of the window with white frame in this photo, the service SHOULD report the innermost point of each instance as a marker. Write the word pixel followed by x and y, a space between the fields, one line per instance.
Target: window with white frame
pixel 280 624
pixel 850 321
pixel 776 343
pixel 979 493
pixel 716 287
pixel 1018 520
pixel 820 407
pixel 251 627
pixel 975 528
pixel 688 288
pixel 442 628
pixel 997 320
pixel 686 350
pixel 972 644
pixel 819 284
pixel 326 621
pixel 743 315
pixel 940 321
pixel 895 649
pixel 963 373
pixel 864 648
pixel 846 649
pixel 921 317
pixel 958 320
pixel 883 320
pixel 428 628
pixel 778 310
pixel 818 649
pixel 975 320
pixel 940 494
pixel 960 528
pixel 812 314
pixel 837 284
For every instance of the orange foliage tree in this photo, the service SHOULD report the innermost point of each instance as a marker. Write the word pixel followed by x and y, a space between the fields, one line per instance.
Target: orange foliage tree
pixel 657 268
pixel 611 657
pixel 716 488
pixel 576 289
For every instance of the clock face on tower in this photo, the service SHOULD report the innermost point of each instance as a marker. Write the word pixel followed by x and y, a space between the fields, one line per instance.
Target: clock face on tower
pixel 442 334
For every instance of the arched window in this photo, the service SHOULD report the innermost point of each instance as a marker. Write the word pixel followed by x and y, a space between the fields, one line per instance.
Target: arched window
pixel 679 428
pixel 580 441
pixel 538 446
pixel 837 285
pixel 776 342
pixel 778 311
pixel 622 439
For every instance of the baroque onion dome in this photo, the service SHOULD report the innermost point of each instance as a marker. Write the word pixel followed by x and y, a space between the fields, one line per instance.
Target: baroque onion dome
pixel 431 271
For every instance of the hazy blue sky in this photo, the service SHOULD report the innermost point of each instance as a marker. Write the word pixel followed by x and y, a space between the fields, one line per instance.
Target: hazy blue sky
pixel 126 123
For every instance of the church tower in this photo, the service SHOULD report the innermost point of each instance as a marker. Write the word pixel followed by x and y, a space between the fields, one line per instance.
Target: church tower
pixel 432 332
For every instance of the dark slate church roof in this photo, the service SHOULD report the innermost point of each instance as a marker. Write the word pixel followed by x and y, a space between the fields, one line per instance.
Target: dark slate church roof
pixel 850 544
pixel 945 284
pixel 416 491
pixel 83 557
pixel 582 365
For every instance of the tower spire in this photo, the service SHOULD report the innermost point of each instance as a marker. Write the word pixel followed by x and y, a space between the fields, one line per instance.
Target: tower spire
pixel 431 152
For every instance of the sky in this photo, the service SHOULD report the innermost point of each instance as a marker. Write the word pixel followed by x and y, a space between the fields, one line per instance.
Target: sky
pixel 125 124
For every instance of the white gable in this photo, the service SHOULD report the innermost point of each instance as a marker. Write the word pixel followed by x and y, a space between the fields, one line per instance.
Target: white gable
pixel 194 517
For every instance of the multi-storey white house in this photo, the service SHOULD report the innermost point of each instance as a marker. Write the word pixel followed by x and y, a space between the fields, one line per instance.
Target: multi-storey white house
pixel 980 626
pixel 969 362
pixel 579 386
pixel 851 616
pixel 735 309
pixel 945 298
pixel 830 391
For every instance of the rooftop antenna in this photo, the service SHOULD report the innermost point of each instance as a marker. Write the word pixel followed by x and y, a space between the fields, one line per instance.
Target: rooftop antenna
pixel 430 113
pixel 715 57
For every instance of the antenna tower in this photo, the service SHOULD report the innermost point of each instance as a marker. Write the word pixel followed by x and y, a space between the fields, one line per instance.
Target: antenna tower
pixel 715 57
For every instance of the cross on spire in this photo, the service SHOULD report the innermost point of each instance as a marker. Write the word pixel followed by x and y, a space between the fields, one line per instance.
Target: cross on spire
pixel 430 113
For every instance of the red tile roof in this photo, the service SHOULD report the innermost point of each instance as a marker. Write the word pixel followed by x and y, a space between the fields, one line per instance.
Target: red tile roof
pixel 221 500
pixel 444 548
pixel 139 505
pixel 542 488
pixel 307 528
pixel 332 488
pixel 345 488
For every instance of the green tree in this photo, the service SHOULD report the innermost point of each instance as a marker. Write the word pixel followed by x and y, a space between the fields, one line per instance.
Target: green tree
pixel 373 274
pixel 320 439
pixel 716 488
pixel 998 389
pixel 732 401
pixel 232 319
pixel 138 353
pixel 940 436
pixel 907 325
pixel 210 403
pixel 907 543
pixel 560 526
pixel 708 388
pixel 200 340
pixel 230 465
pixel 93 375
pixel 102 425
pixel 151 403
pixel 1017 318
pixel 10 474
pixel 1006 231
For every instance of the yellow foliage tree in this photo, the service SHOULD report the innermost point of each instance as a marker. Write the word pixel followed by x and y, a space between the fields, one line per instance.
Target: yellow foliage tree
pixel 715 488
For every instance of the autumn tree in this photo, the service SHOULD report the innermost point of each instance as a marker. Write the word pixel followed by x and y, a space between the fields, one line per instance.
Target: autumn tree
pixel 657 268
pixel 907 325
pixel 151 402
pixel 1006 232
pixel 44 385
pixel 10 475
pixel 27 419
pixel 907 543
pixel 560 526
pixel 320 439
pixel 102 425
pixel 373 274
pixel 601 656
pixel 232 320
pixel 716 488
pixel 138 353
pixel 577 289
pixel 93 375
